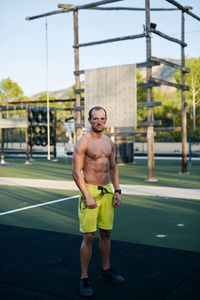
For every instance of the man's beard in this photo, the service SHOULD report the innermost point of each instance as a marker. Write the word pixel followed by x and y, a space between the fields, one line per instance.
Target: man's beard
pixel 97 130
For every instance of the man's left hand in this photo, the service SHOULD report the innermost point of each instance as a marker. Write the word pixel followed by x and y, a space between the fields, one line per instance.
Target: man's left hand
pixel 116 200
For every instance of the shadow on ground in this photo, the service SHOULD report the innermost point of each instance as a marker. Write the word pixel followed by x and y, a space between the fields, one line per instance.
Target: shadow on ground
pixel 38 264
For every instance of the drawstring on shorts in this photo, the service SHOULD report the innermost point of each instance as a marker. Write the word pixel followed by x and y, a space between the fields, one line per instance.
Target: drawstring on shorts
pixel 102 189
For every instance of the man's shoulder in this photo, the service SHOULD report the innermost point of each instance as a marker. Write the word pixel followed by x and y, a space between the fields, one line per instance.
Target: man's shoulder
pixel 85 137
pixel 107 138
pixel 82 141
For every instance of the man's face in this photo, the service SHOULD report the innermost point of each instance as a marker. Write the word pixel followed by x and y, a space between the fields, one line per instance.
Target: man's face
pixel 98 120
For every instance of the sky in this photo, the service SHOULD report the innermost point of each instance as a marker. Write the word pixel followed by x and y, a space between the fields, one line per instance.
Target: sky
pixel 23 43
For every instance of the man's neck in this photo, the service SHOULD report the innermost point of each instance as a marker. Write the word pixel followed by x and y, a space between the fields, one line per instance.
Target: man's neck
pixel 96 135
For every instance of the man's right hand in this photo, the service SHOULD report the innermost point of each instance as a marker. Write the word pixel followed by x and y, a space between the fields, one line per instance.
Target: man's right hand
pixel 91 203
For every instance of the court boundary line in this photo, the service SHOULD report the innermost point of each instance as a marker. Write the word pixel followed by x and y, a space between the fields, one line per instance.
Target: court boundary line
pixel 37 205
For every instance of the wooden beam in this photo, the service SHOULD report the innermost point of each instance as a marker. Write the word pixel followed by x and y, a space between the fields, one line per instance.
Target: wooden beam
pixel 147 123
pixel 138 65
pixel 130 37
pixel 8 108
pixel 149 84
pixel 170 64
pixel 148 64
pixel 37 102
pixel 164 82
pixel 132 133
pixel 66 6
pixel 79 72
pixel 78 91
pixel 55 12
pixel 167 129
pixel 78 108
pixel 23 108
pixel 184 9
pixel 148 104
pixel 133 8
pixel 183 101
pixel 167 37
pixel 51 13
pixel 93 4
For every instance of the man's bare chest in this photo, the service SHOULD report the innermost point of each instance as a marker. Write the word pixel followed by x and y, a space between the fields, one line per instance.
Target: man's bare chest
pixel 98 150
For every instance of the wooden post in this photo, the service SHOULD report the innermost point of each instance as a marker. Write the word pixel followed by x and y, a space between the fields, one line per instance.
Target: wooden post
pixel 150 116
pixel 183 102
pixel 27 137
pixel 31 150
pixel 77 113
pixel 2 145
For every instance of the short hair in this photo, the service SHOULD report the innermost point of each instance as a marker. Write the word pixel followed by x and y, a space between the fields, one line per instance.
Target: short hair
pixel 96 108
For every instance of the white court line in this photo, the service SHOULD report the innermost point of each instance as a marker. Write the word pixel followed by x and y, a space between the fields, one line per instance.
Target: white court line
pixel 37 205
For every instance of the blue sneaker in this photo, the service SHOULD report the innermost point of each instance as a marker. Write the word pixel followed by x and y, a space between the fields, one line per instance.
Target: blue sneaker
pixel 111 275
pixel 85 288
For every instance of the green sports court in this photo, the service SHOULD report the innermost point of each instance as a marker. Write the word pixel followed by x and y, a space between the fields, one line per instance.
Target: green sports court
pixel 155 240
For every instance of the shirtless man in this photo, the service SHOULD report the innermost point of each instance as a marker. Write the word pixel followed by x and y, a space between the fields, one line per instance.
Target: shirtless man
pixel 93 168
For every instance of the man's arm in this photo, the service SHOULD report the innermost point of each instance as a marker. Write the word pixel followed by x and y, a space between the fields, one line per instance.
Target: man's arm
pixel 114 174
pixel 77 167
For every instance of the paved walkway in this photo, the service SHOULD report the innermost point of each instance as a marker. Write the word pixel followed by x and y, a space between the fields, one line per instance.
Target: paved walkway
pixel 145 190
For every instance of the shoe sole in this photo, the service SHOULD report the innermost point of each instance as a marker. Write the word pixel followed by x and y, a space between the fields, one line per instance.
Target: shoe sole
pixel 107 279
pixel 87 295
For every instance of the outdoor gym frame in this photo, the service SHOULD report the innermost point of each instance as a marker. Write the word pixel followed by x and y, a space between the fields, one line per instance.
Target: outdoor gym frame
pixel 149 63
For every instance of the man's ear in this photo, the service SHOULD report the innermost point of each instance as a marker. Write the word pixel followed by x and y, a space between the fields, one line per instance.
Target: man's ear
pixel 89 120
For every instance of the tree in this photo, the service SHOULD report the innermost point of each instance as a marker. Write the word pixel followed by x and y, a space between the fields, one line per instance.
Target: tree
pixel 193 80
pixel 10 90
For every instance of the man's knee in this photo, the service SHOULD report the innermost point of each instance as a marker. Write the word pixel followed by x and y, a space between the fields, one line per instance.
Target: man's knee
pixel 89 237
pixel 104 234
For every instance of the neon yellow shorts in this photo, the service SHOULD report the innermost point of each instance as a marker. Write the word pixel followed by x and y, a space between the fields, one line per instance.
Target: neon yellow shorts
pixel 102 215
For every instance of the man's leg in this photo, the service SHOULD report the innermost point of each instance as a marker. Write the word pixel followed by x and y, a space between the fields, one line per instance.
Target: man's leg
pixel 86 252
pixel 106 272
pixel 104 247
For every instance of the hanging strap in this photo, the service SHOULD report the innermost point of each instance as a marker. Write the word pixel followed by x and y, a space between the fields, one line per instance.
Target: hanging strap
pixel 102 189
